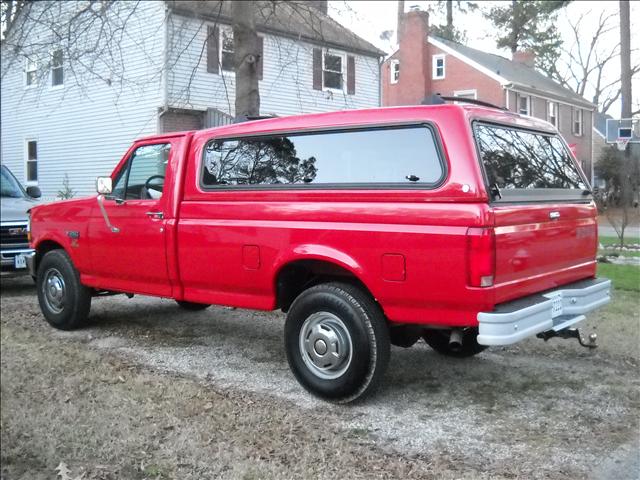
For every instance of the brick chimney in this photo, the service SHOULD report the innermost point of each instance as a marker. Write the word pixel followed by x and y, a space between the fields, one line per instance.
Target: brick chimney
pixel 525 57
pixel 319 5
pixel 415 77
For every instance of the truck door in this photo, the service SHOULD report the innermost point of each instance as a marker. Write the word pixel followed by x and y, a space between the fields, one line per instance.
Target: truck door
pixel 127 233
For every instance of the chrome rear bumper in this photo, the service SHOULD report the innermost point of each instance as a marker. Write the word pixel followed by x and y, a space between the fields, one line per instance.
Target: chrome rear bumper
pixel 552 310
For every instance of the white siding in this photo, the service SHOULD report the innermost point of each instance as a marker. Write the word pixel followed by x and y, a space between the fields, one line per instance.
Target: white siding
pixel 84 128
pixel 287 85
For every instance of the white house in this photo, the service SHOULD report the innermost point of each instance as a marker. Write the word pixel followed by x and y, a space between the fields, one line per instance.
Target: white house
pixel 71 105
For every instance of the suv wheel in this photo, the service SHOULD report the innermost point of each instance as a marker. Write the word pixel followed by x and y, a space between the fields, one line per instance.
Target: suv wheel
pixel 64 301
pixel 439 341
pixel 337 342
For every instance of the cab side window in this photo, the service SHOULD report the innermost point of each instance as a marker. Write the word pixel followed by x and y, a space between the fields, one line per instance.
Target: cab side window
pixel 142 178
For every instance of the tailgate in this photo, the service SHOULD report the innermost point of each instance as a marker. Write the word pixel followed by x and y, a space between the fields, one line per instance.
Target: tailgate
pixel 543 246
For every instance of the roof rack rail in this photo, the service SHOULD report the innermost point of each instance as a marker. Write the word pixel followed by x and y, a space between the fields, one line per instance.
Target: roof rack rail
pixel 247 118
pixel 472 101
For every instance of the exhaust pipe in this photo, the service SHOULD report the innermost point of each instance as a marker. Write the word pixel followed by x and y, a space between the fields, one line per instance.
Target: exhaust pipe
pixel 455 340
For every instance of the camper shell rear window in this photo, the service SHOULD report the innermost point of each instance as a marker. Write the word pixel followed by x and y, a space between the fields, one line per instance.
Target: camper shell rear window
pixel 523 165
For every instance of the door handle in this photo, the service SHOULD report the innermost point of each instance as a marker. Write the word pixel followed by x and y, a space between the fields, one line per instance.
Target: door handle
pixel 158 215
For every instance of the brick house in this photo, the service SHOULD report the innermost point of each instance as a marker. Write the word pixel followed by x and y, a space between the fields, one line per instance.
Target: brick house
pixel 425 65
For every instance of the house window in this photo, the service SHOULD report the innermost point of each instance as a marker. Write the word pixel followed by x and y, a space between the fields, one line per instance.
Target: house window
pixel 552 113
pixel 438 67
pixel 395 71
pixel 226 49
pixel 32 162
pixel 57 72
pixel 332 68
pixel 472 94
pixel 30 71
pixel 577 121
pixel 524 104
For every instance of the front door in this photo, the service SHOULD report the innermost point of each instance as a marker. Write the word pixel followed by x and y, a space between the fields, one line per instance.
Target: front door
pixel 127 236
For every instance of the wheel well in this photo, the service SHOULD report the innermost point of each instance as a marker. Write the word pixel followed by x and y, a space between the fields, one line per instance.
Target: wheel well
pixel 45 247
pixel 297 276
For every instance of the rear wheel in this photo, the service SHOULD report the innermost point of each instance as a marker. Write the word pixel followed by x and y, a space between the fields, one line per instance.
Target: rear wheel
pixel 439 341
pixel 337 342
pixel 192 306
pixel 64 301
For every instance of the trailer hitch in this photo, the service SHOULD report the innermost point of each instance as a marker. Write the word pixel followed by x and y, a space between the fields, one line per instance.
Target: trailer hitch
pixel 570 333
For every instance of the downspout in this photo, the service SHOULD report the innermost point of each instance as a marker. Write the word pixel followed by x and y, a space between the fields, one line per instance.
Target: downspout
pixel 380 63
pixel 165 64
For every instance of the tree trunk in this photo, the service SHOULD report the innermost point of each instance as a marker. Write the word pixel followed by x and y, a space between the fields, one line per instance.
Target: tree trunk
pixel 399 20
pixel 246 52
pixel 514 26
pixel 450 19
pixel 625 58
pixel 625 70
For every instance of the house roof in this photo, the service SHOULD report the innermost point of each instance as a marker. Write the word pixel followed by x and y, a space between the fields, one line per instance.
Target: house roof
pixel 600 123
pixel 514 74
pixel 297 20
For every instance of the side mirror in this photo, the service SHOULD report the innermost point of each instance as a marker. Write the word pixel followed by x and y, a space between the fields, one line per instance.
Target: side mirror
pixel 104 185
pixel 34 192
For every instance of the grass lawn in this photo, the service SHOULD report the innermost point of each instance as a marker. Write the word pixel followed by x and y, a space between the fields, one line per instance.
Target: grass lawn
pixel 624 277
pixel 615 241
pixel 628 238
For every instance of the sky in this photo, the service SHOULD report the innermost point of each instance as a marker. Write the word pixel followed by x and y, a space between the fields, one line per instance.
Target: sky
pixel 369 19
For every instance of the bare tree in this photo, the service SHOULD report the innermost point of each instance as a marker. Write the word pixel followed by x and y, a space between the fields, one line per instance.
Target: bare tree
pixel 629 162
pixel 583 66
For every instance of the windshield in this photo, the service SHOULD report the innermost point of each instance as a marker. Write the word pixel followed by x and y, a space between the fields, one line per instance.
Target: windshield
pixel 9 184
pixel 521 162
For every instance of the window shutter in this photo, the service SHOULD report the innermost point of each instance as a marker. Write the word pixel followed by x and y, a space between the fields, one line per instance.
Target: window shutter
pixel 260 64
pixel 351 75
pixel 317 69
pixel 213 62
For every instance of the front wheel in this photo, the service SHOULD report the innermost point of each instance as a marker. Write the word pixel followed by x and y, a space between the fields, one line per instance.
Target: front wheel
pixel 337 341
pixel 64 301
pixel 439 341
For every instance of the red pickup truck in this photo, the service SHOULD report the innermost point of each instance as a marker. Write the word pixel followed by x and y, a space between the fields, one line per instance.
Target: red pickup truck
pixel 463 225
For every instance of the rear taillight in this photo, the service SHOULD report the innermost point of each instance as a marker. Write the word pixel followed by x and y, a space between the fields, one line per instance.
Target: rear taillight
pixel 481 257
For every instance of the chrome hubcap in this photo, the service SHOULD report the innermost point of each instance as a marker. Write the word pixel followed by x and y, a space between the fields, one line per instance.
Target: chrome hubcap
pixel 54 290
pixel 325 345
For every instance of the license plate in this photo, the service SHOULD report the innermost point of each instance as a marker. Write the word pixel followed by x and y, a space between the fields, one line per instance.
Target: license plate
pixel 556 309
pixel 20 261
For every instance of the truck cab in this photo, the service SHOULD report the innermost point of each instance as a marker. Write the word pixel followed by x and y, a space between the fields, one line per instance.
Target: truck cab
pixel 466 226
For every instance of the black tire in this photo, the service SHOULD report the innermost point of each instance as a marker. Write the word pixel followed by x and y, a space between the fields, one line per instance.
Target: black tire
pixel 349 316
pixel 439 341
pixel 404 336
pixel 192 306
pixel 64 301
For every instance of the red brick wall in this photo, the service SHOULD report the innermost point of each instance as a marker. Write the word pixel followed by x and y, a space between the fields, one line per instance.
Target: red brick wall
pixel 461 76
pixel 415 81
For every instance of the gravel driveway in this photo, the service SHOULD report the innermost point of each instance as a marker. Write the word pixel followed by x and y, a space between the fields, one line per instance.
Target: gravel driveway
pixel 535 410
